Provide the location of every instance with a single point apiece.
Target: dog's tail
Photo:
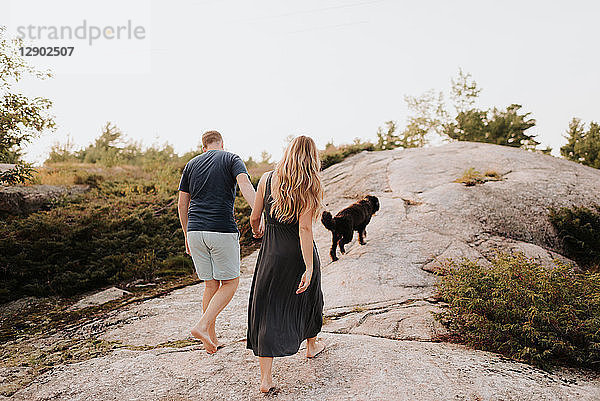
(327, 221)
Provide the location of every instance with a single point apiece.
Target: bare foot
(316, 349)
(203, 336)
(216, 342)
(266, 386)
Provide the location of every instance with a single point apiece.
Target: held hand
(261, 229)
(305, 281)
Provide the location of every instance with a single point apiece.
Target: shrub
(335, 154)
(125, 228)
(582, 146)
(501, 127)
(579, 231)
(96, 240)
(93, 180)
(19, 174)
(524, 310)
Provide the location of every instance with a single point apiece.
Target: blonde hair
(300, 187)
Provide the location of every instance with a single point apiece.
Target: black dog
(353, 218)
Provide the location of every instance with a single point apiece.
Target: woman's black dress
(278, 318)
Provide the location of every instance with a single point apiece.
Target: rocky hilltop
(382, 341)
(21, 199)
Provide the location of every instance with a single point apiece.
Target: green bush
(524, 310)
(125, 228)
(335, 154)
(93, 180)
(579, 230)
(582, 146)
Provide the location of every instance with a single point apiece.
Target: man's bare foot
(203, 336)
(266, 386)
(315, 349)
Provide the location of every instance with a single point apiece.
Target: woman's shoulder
(266, 175)
(263, 179)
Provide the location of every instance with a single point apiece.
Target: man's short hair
(211, 137)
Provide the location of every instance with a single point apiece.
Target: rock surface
(99, 298)
(21, 199)
(379, 298)
(5, 167)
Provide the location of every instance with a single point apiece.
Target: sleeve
(184, 184)
(238, 167)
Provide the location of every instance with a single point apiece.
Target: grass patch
(472, 177)
(492, 175)
(524, 310)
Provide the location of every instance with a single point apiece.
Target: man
(206, 196)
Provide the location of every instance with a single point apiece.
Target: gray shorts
(216, 256)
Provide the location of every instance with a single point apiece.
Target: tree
(428, 113)
(501, 127)
(250, 162)
(105, 149)
(265, 157)
(21, 118)
(464, 91)
(582, 146)
(62, 152)
(430, 119)
(386, 138)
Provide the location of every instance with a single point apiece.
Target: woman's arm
(257, 209)
(306, 245)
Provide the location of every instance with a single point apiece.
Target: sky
(331, 69)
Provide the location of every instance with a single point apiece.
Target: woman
(286, 302)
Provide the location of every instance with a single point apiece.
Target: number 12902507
(46, 51)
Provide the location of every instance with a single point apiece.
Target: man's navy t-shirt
(210, 179)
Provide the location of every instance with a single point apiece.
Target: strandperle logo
(89, 33)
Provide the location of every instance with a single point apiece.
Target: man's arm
(246, 187)
(251, 197)
(183, 205)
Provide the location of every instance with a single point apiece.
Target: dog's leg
(334, 243)
(361, 238)
(361, 234)
(344, 241)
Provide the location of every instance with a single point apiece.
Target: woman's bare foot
(314, 348)
(266, 385)
(202, 335)
(215, 340)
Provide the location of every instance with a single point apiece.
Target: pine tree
(582, 146)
